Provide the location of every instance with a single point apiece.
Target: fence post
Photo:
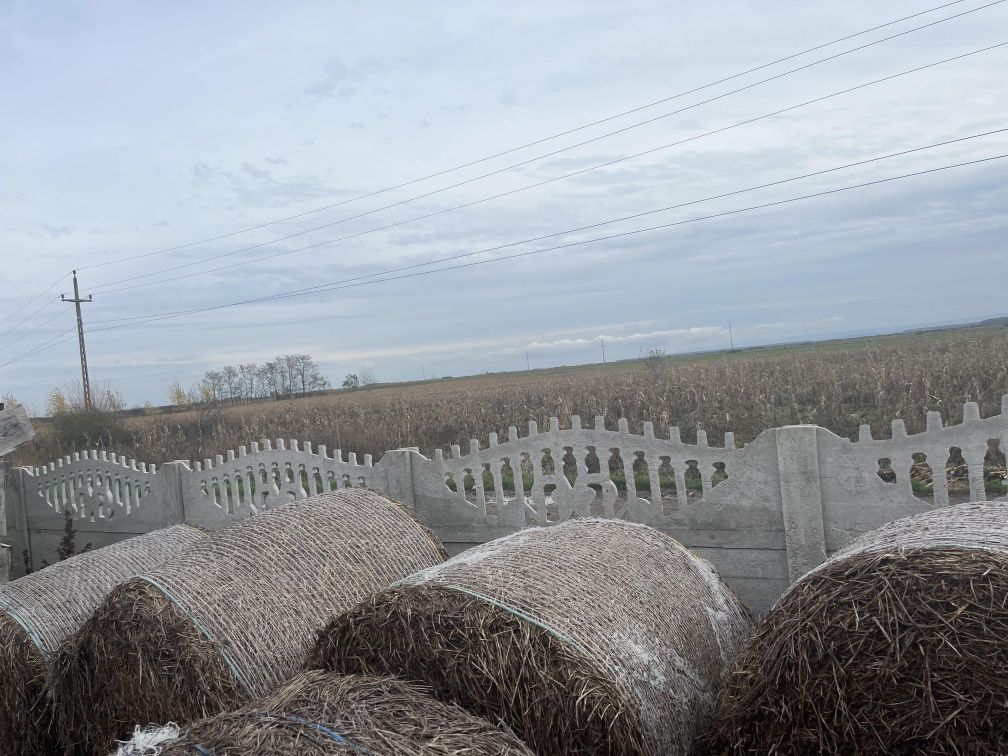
(5, 547)
(169, 475)
(398, 467)
(801, 497)
(16, 491)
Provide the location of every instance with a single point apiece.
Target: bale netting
(592, 636)
(897, 644)
(233, 616)
(39, 610)
(322, 713)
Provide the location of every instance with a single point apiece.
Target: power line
(338, 285)
(45, 345)
(38, 296)
(541, 183)
(333, 286)
(622, 218)
(44, 323)
(570, 131)
(28, 317)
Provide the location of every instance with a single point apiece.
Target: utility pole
(528, 363)
(603, 352)
(80, 338)
(731, 337)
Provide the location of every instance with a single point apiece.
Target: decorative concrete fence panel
(215, 492)
(763, 514)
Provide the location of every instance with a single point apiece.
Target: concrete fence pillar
(801, 497)
(5, 547)
(16, 486)
(397, 472)
(169, 482)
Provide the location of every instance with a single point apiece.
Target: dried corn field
(837, 386)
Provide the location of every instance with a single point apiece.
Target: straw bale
(592, 636)
(39, 610)
(322, 713)
(232, 617)
(897, 644)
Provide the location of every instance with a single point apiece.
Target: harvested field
(897, 644)
(540, 630)
(38, 611)
(321, 713)
(838, 385)
(232, 617)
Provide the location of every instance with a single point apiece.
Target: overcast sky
(128, 128)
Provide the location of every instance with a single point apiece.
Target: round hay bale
(896, 644)
(232, 617)
(322, 713)
(38, 611)
(592, 636)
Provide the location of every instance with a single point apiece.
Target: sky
(128, 129)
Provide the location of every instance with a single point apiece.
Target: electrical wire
(538, 184)
(623, 218)
(570, 147)
(339, 285)
(38, 296)
(25, 335)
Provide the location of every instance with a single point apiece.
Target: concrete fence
(763, 514)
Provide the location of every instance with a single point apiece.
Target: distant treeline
(285, 376)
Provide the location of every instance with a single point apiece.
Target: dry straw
(897, 644)
(323, 714)
(232, 617)
(593, 636)
(39, 610)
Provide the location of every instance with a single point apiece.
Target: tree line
(283, 377)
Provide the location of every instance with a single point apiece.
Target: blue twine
(332, 734)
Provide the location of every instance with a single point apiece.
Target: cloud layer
(129, 129)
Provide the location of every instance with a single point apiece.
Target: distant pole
(603, 352)
(731, 337)
(528, 363)
(80, 338)
(423, 372)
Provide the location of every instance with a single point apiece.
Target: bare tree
(232, 382)
(367, 377)
(212, 386)
(270, 378)
(249, 375)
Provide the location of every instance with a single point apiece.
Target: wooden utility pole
(603, 352)
(80, 338)
(731, 337)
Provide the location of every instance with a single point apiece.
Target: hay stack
(232, 617)
(39, 610)
(323, 714)
(593, 636)
(897, 644)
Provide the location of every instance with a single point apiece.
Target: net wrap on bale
(39, 610)
(896, 644)
(589, 636)
(325, 714)
(233, 616)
